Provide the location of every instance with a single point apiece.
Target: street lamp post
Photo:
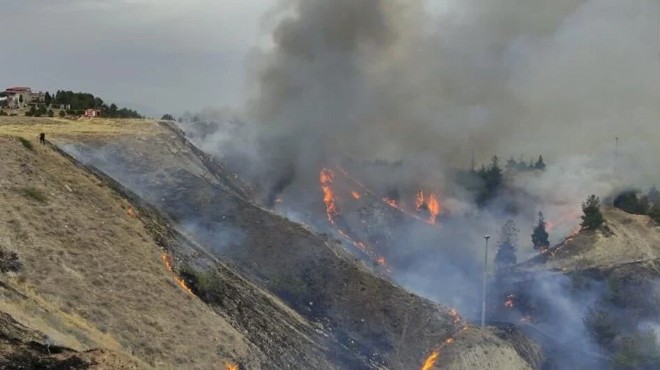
(483, 288)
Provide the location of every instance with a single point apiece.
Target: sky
(157, 56)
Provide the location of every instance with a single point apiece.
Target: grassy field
(91, 276)
(30, 127)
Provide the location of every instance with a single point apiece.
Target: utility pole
(616, 160)
(483, 288)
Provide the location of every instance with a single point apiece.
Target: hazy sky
(154, 55)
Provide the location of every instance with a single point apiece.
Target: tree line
(76, 103)
(592, 219)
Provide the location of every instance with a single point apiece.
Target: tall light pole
(616, 160)
(483, 288)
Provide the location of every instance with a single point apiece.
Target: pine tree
(506, 249)
(654, 195)
(592, 217)
(48, 99)
(540, 165)
(540, 235)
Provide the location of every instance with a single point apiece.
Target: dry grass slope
(91, 275)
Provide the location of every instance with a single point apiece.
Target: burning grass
(167, 260)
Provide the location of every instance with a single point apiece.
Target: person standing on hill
(42, 138)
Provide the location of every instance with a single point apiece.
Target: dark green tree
(491, 177)
(540, 235)
(20, 98)
(62, 113)
(511, 164)
(592, 217)
(629, 201)
(654, 195)
(167, 117)
(539, 165)
(654, 212)
(48, 99)
(507, 245)
(51, 113)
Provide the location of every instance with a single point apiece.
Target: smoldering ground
(433, 83)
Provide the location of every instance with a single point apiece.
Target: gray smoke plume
(389, 79)
(429, 84)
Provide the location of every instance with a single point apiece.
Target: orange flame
(391, 202)
(381, 261)
(231, 366)
(167, 260)
(432, 205)
(327, 177)
(434, 208)
(356, 195)
(431, 360)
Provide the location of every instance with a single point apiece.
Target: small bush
(34, 193)
(62, 113)
(601, 326)
(3, 113)
(638, 351)
(26, 143)
(51, 113)
(9, 261)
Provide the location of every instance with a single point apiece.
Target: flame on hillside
(430, 204)
(231, 366)
(327, 177)
(167, 260)
(431, 360)
(391, 202)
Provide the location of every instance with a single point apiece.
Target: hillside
(91, 274)
(590, 300)
(273, 294)
(625, 240)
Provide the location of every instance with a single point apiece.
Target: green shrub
(601, 326)
(629, 202)
(35, 194)
(638, 351)
(26, 143)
